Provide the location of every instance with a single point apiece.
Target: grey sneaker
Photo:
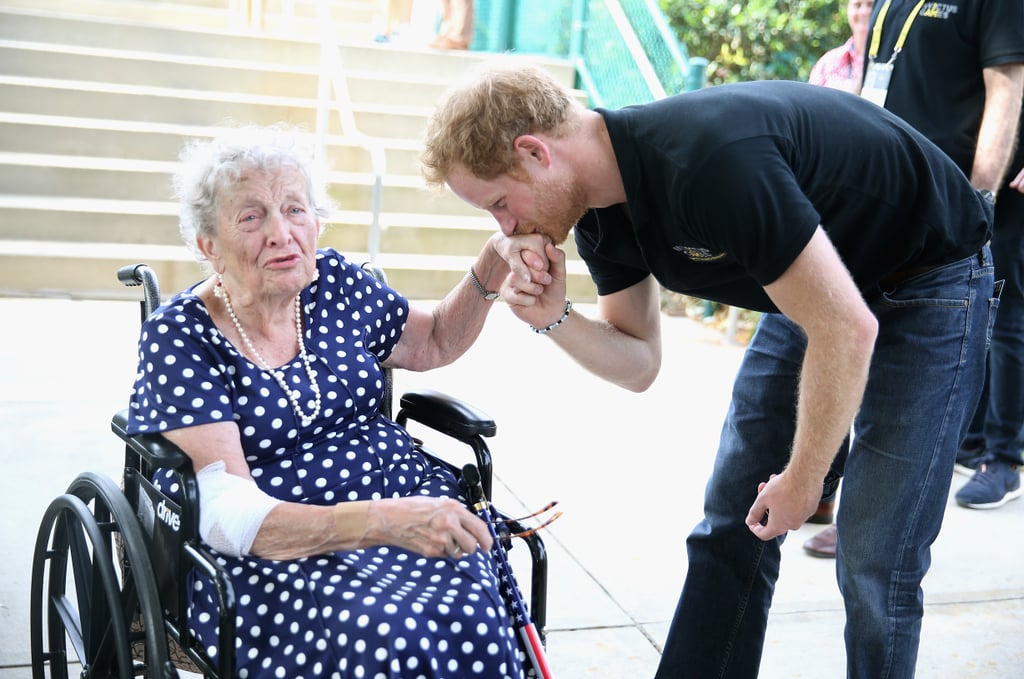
(995, 483)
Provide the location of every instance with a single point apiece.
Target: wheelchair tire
(92, 603)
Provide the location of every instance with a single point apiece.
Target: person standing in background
(991, 453)
(955, 71)
(842, 67)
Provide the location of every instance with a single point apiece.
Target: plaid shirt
(840, 68)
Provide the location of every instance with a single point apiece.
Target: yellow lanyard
(876, 34)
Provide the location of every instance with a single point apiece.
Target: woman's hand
(431, 526)
(535, 286)
(527, 259)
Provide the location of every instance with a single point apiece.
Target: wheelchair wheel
(84, 597)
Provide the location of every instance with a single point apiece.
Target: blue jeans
(999, 420)
(928, 362)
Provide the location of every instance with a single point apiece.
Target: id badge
(876, 82)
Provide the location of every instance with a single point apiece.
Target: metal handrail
(332, 75)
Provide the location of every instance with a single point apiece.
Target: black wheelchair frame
(109, 562)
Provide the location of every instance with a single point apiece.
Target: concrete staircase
(98, 96)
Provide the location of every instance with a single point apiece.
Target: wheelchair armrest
(154, 448)
(446, 414)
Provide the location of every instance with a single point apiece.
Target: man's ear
(532, 148)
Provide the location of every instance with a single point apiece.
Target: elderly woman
(348, 550)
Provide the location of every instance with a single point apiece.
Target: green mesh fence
(585, 32)
(661, 46)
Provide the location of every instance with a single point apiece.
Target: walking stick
(521, 619)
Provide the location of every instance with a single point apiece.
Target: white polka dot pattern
(381, 612)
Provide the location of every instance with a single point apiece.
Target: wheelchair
(108, 594)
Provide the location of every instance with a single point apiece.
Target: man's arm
(817, 293)
(622, 345)
(997, 134)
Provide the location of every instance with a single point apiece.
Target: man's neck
(596, 164)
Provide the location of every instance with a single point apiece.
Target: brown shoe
(823, 544)
(824, 514)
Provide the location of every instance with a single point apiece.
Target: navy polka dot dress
(376, 612)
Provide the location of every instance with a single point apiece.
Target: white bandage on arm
(231, 509)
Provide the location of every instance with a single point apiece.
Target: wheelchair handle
(134, 275)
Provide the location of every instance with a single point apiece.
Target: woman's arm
(430, 526)
(233, 504)
(621, 345)
(436, 337)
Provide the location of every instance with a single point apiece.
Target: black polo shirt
(726, 185)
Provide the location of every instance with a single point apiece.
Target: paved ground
(628, 471)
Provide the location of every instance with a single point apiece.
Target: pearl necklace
(221, 293)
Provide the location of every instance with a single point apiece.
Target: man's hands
(783, 503)
(535, 285)
(435, 527)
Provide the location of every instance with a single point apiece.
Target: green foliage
(758, 39)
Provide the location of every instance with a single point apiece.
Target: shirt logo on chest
(938, 10)
(698, 254)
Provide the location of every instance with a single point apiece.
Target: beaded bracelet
(541, 331)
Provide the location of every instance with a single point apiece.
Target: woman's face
(267, 231)
(858, 13)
